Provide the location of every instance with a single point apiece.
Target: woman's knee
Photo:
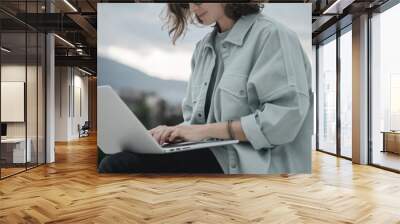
(123, 162)
(106, 165)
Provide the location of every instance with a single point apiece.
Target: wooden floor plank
(71, 191)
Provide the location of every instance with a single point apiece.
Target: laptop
(120, 130)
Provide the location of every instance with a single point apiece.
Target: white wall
(14, 73)
(17, 73)
(80, 83)
(68, 81)
(61, 103)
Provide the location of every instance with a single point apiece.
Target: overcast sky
(132, 34)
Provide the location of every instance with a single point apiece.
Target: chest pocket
(234, 85)
(233, 96)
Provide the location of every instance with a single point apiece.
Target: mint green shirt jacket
(266, 84)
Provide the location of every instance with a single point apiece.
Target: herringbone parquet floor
(71, 191)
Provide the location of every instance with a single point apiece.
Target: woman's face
(207, 13)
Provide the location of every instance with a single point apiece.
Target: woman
(250, 81)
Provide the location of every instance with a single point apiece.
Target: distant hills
(120, 76)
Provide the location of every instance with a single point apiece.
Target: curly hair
(178, 15)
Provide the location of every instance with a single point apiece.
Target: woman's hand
(165, 133)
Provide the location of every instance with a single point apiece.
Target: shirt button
(199, 115)
(194, 102)
(241, 92)
(205, 83)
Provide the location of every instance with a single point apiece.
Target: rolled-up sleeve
(280, 80)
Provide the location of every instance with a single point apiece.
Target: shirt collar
(238, 31)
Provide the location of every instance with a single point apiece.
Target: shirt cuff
(253, 133)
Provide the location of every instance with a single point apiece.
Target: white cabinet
(18, 144)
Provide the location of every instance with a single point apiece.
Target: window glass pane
(327, 97)
(22, 87)
(14, 153)
(314, 87)
(346, 94)
(385, 86)
(31, 97)
(41, 98)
